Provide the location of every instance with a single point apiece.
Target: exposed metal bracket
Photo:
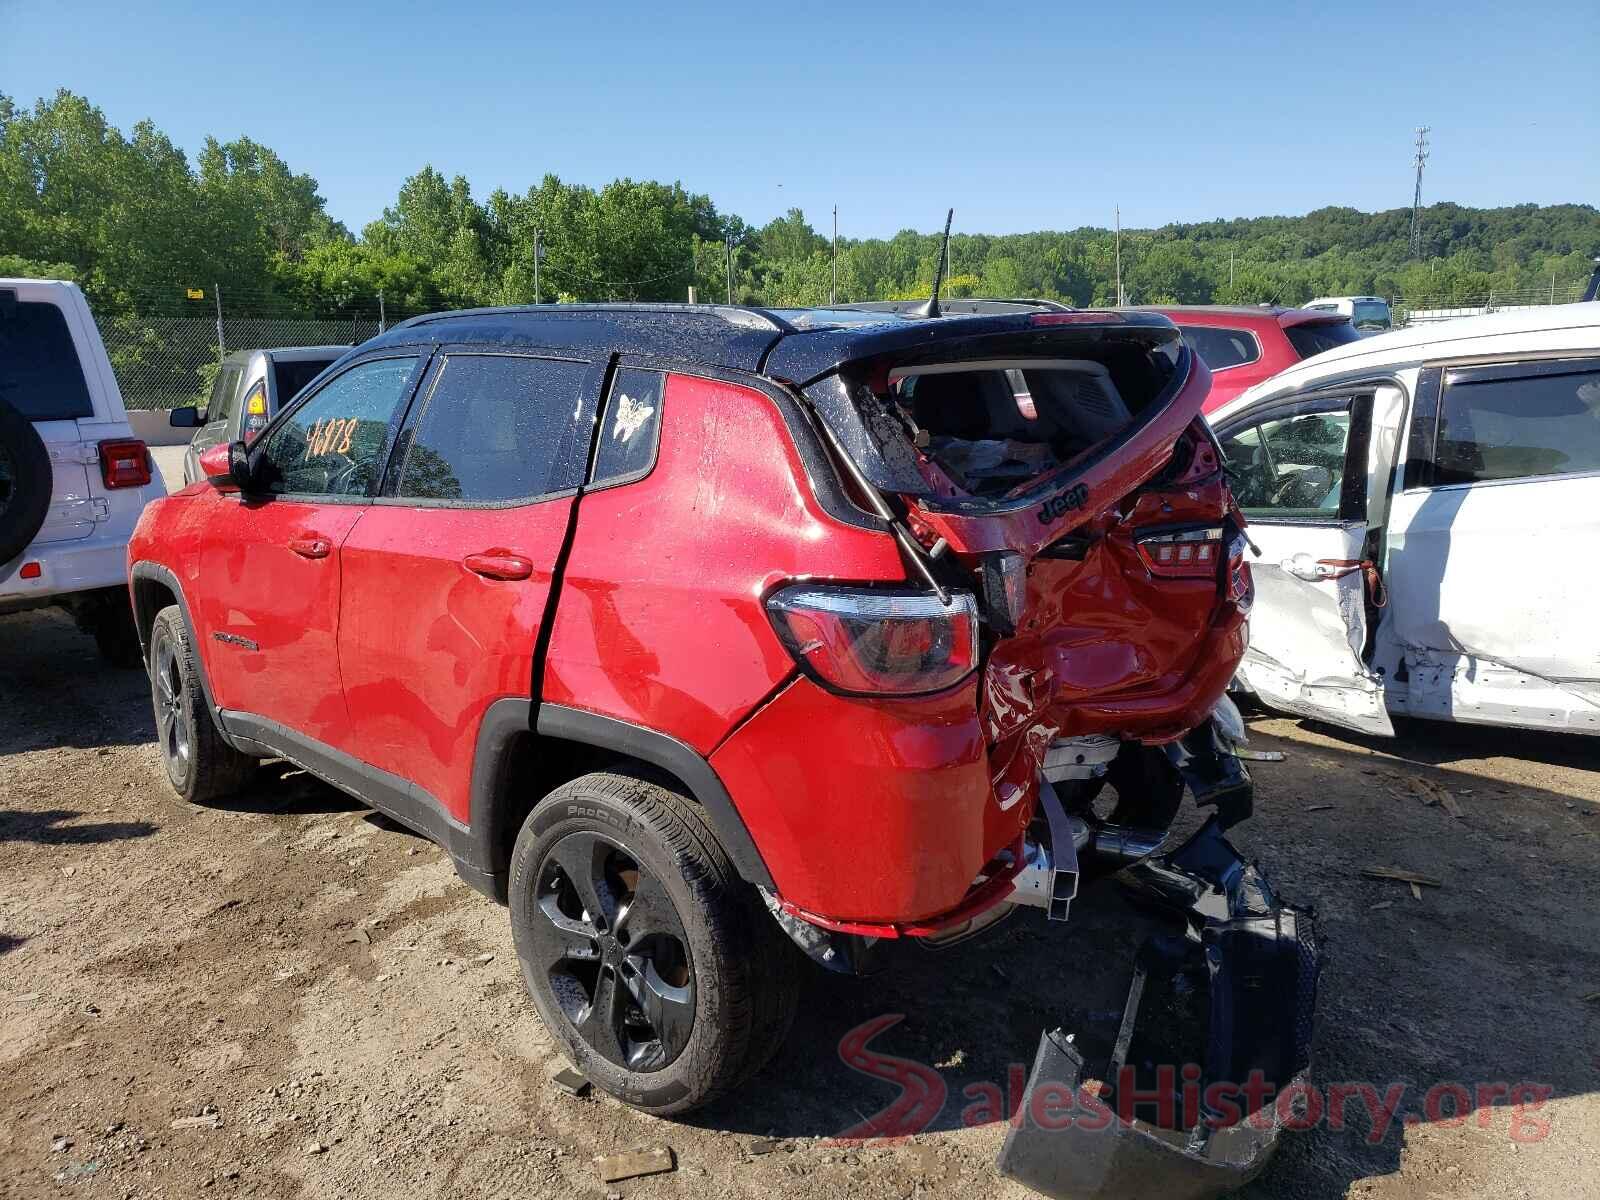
(1049, 879)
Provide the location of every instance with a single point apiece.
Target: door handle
(311, 547)
(498, 564)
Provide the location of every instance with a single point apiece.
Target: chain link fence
(165, 360)
(1446, 306)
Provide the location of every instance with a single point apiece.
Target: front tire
(649, 960)
(200, 766)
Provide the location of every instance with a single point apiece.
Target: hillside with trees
(137, 222)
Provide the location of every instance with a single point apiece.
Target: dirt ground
(320, 1006)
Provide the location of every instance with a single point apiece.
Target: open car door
(1300, 472)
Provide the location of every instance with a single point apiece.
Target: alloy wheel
(170, 726)
(615, 952)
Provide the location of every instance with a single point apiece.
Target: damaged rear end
(1054, 466)
(1051, 472)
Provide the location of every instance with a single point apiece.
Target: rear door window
(40, 375)
(1517, 422)
(289, 377)
(1319, 336)
(1220, 348)
(496, 429)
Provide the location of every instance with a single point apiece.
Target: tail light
(865, 641)
(1183, 553)
(255, 415)
(124, 463)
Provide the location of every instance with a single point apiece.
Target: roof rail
(741, 315)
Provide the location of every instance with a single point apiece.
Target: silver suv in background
(250, 387)
(73, 478)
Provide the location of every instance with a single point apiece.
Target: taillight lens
(124, 463)
(866, 641)
(1183, 553)
(255, 416)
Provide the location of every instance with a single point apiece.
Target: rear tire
(653, 965)
(200, 765)
(115, 633)
(26, 482)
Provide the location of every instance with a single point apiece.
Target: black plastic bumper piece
(1214, 774)
(1248, 965)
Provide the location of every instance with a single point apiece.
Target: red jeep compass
(1244, 345)
(698, 633)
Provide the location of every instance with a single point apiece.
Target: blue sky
(1021, 116)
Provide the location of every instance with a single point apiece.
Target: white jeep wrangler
(73, 478)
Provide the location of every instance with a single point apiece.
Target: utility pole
(1119, 255)
(382, 323)
(222, 349)
(730, 270)
(833, 292)
(1420, 158)
(1230, 268)
(537, 255)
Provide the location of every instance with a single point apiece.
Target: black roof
(794, 344)
(723, 335)
(968, 306)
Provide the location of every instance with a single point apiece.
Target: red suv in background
(1244, 345)
(694, 632)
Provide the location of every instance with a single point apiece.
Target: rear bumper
(64, 567)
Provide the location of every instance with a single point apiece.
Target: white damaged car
(1426, 510)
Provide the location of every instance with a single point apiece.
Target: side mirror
(187, 417)
(216, 464)
(241, 466)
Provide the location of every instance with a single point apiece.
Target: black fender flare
(508, 719)
(143, 619)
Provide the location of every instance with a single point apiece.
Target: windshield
(1370, 312)
(39, 371)
(1316, 336)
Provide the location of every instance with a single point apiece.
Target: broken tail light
(124, 463)
(1183, 553)
(867, 641)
